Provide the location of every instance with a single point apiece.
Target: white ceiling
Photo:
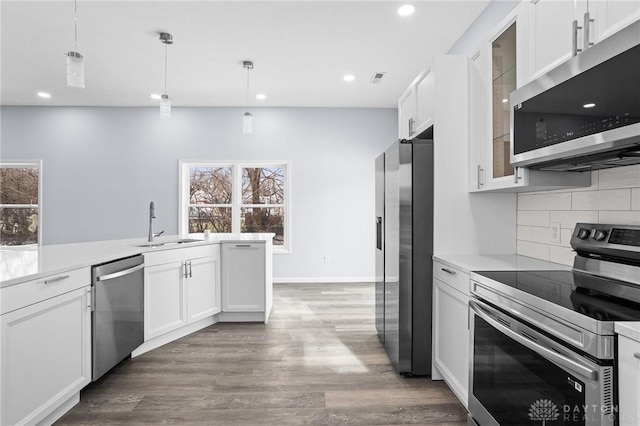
(301, 50)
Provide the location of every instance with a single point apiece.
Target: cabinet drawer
(451, 276)
(20, 295)
(161, 257)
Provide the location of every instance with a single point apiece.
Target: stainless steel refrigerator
(404, 247)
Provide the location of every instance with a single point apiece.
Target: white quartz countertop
(628, 329)
(505, 262)
(20, 264)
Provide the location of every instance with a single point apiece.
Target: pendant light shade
(75, 70)
(247, 123)
(165, 107)
(165, 99)
(75, 60)
(247, 118)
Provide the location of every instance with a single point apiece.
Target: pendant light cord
(165, 68)
(248, 70)
(75, 23)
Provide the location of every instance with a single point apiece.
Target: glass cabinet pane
(503, 83)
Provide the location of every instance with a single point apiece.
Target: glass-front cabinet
(493, 76)
(496, 69)
(503, 82)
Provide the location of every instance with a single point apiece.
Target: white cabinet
(182, 286)
(45, 357)
(629, 381)
(552, 34)
(203, 287)
(415, 106)
(164, 298)
(451, 328)
(496, 70)
(407, 112)
(610, 16)
(245, 271)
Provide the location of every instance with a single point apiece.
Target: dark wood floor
(318, 361)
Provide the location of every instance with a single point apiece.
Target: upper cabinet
(496, 70)
(503, 82)
(558, 29)
(415, 107)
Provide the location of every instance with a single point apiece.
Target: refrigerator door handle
(379, 233)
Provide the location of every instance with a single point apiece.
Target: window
(20, 195)
(236, 197)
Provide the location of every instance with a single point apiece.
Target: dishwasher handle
(120, 273)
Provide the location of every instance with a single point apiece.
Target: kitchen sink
(169, 243)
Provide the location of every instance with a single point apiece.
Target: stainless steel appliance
(543, 342)
(117, 316)
(584, 114)
(404, 247)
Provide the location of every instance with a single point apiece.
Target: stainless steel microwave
(584, 114)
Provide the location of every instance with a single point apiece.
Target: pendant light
(165, 99)
(247, 118)
(75, 60)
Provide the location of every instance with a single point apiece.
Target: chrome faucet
(152, 215)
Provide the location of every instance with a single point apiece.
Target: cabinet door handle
(480, 170)
(449, 271)
(185, 272)
(587, 23)
(56, 279)
(190, 270)
(574, 39)
(636, 355)
(515, 175)
(411, 122)
(90, 301)
(243, 245)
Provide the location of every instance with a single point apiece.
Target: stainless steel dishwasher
(117, 316)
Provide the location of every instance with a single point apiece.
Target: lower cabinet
(45, 359)
(629, 381)
(451, 328)
(244, 271)
(182, 286)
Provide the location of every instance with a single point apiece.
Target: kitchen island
(46, 301)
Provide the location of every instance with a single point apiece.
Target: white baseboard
(303, 280)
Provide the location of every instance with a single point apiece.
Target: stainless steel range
(543, 342)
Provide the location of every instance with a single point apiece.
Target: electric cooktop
(580, 292)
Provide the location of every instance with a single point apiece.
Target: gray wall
(102, 166)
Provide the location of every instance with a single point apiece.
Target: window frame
(37, 164)
(236, 199)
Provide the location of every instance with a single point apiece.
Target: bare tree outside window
(19, 204)
(210, 199)
(263, 201)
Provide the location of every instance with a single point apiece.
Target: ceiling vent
(377, 77)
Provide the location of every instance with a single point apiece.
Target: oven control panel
(597, 237)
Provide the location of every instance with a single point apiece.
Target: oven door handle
(562, 360)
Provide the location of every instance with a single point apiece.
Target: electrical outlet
(555, 232)
(327, 259)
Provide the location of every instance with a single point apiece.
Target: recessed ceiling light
(406, 10)
(504, 101)
(155, 96)
(261, 96)
(348, 77)
(44, 95)
(591, 105)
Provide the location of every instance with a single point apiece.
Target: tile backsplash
(613, 197)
